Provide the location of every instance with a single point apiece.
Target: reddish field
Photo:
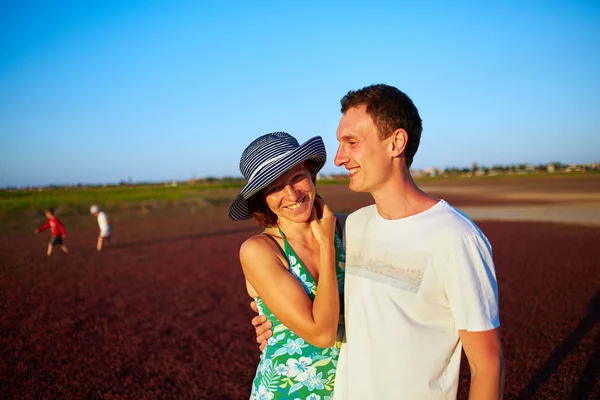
(164, 313)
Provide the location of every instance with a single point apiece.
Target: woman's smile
(297, 206)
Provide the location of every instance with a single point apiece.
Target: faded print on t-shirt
(399, 266)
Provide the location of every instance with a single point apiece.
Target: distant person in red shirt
(57, 231)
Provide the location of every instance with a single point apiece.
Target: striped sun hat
(266, 159)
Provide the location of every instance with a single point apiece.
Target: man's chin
(355, 187)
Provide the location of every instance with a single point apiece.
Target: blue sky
(100, 91)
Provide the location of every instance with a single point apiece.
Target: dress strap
(286, 244)
(276, 244)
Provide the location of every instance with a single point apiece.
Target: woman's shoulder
(254, 243)
(260, 245)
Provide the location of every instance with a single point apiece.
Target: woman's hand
(323, 229)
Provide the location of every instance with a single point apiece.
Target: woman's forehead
(290, 172)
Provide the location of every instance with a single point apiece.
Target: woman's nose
(291, 192)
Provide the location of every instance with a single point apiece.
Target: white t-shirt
(103, 224)
(411, 284)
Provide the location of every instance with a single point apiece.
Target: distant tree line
(231, 181)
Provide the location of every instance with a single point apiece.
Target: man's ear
(399, 138)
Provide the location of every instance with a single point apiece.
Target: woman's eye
(298, 178)
(273, 189)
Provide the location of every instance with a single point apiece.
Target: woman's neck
(295, 231)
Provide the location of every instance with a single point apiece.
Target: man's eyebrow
(346, 137)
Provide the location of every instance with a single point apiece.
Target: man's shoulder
(454, 222)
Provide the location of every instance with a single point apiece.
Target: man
(420, 279)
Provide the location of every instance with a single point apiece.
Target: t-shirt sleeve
(44, 227)
(102, 221)
(469, 279)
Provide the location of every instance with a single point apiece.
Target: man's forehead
(355, 122)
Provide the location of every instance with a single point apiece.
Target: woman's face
(292, 195)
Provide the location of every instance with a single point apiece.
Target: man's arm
(471, 287)
(486, 362)
(262, 326)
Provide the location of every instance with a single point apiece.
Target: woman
(294, 269)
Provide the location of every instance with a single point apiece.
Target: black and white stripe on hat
(266, 159)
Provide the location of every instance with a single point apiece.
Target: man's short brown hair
(390, 109)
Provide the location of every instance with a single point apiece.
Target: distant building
(417, 173)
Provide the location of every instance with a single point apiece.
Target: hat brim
(313, 150)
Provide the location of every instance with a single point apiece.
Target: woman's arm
(314, 321)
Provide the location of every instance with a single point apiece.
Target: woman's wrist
(327, 255)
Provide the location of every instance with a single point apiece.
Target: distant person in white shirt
(103, 224)
(420, 281)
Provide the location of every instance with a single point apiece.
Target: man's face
(361, 151)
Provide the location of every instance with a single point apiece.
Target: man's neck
(400, 197)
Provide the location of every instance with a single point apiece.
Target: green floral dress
(289, 367)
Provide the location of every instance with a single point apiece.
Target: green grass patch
(80, 199)
(77, 201)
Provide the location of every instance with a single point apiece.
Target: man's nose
(340, 157)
